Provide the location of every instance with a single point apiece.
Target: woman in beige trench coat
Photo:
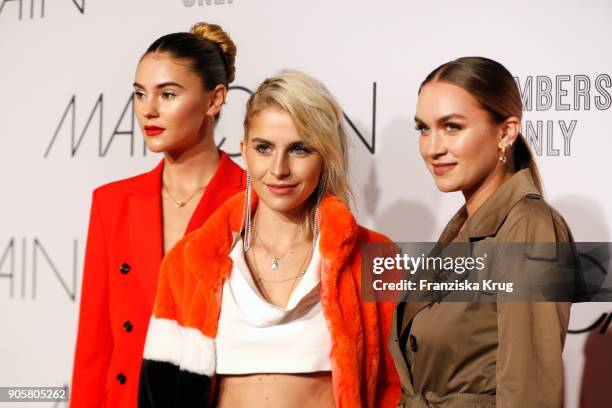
(482, 354)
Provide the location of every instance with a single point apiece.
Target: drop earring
(502, 154)
(247, 213)
(315, 221)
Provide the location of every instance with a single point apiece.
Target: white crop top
(254, 336)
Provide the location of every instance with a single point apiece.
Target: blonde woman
(261, 306)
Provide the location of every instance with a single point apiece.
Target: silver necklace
(294, 277)
(275, 264)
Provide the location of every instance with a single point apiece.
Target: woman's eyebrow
(442, 119)
(161, 85)
(450, 116)
(169, 83)
(261, 140)
(297, 142)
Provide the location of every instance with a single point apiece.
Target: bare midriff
(310, 390)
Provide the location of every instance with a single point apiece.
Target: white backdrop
(75, 59)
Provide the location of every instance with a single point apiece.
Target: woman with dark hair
(180, 86)
(482, 354)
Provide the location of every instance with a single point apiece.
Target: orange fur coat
(179, 358)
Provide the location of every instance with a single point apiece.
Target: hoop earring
(247, 213)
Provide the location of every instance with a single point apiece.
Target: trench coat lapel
(485, 222)
(406, 311)
(395, 347)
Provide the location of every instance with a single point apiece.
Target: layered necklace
(301, 269)
(276, 259)
(275, 264)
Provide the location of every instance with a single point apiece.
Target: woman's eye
(262, 148)
(452, 127)
(300, 149)
(422, 129)
(167, 95)
(138, 94)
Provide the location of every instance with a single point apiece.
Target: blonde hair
(318, 118)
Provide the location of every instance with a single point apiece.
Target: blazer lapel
(145, 231)
(227, 179)
(146, 217)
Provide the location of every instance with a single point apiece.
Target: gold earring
(502, 154)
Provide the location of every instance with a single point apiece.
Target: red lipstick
(153, 130)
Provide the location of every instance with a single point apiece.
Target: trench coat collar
(487, 220)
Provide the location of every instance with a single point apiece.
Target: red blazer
(122, 260)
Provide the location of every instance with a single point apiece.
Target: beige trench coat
(487, 354)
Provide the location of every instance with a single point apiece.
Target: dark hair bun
(215, 34)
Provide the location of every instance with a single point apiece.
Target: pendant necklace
(275, 259)
(301, 269)
(181, 203)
